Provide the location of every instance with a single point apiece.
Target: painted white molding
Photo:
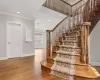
(15, 15)
(95, 63)
(30, 54)
(3, 58)
(24, 55)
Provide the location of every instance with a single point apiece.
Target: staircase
(67, 44)
(68, 61)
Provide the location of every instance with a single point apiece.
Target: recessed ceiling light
(18, 12)
(49, 20)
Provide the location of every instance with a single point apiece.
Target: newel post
(48, 47)
(84, 42)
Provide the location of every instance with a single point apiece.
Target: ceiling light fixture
(18, 12)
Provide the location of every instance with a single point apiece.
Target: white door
(14, 40)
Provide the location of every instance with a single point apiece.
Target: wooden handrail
(59, 23)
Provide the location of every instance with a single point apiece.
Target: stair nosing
(67, 54)
(70, 47)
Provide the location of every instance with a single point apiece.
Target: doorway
(14, 41)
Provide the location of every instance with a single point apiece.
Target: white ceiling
(46, 14)
(27, 8)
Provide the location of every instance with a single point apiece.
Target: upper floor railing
(58, 6)
(63, 6)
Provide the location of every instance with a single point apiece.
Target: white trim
(30, 54)
(95, 63)
(15, 15)
(7, 37)
(3, 58)
(24, 55)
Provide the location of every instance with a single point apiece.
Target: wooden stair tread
(71, 41)
(61, 69)
(91, 73)
(72, 36)
(75, 28)
(64, 52)
(74, 41)
(77, 62)
(73, 47)
(73, 31)
(68, 41)
(45, 63)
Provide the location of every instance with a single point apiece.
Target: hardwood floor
(27, 68)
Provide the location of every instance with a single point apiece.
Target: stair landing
(84, 74)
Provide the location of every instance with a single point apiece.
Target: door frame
(7, 53)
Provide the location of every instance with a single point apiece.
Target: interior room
(49, 39)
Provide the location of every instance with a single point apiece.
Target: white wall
(95, 45)
(43, 32)
(28, 47)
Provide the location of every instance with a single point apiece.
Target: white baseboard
(3, 58)
(30, 54)
(24, 55)
(95, 63)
